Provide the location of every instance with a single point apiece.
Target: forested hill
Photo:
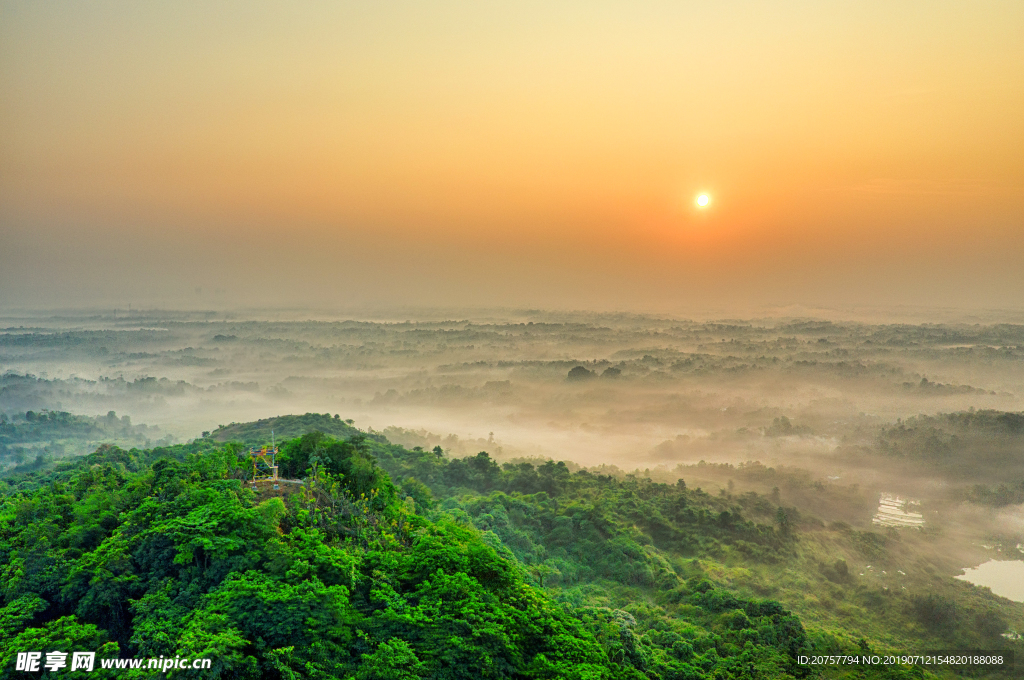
(34, 440)
(391, 563)
(168, 552)
(286, 427)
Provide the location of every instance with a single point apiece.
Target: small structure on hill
(264, 465)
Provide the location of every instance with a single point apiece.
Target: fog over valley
(631, 391)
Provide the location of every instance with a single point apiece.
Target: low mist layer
(619, 389)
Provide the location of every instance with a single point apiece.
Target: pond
(1004, 577)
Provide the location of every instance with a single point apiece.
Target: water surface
(1004, 577)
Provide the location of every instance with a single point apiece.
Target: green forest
(33, 440)
(392, 563)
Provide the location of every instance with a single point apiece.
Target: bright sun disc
(703, 200)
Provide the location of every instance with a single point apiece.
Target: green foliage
(967, 445)
(392, 660)
(64, 634)
(284, 428)
(456, 569)
(179, 557)
(33, 441)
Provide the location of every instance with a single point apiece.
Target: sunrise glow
(459, 145)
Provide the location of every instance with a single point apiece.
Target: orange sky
(542, 153)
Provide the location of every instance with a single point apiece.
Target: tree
(578, 373)
(783, 521)
(392, 660)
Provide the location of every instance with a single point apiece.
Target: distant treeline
(968, 446)
(31, 440)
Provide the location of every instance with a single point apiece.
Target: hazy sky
(524, 153)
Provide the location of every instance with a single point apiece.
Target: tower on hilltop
(264, 464)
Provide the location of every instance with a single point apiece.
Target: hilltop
(284, 427)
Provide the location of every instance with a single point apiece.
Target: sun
(703, 200)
